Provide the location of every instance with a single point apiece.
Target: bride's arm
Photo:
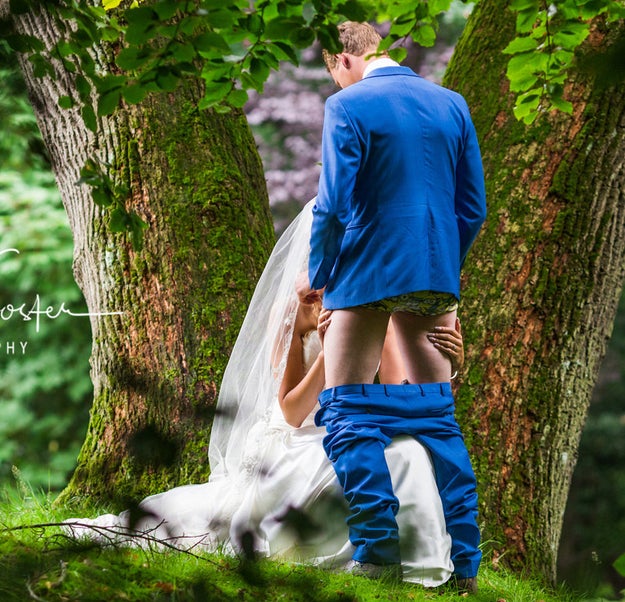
(299, 389)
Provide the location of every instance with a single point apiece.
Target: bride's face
(312, 312)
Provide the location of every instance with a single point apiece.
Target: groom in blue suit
(401, 199)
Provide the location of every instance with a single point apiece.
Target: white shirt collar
(377, 63)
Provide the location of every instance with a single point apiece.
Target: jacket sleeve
(470, 200)
(340, 161)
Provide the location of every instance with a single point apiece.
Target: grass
(40, 563)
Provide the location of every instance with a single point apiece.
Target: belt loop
(443, 392)
(422, 391)
(333, 393)
(386, 391)
(364, 390)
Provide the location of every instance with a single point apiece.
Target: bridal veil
(252, 377)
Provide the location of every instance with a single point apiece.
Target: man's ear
(345, 60)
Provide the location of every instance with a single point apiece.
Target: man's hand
(307, 296)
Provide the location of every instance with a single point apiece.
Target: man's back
(395, 147)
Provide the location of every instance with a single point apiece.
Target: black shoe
(389, 572)
(461, 585)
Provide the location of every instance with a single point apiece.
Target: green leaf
(110, 34)
(134, 94)
(108, 102)
(110, 4)
(237, 98)
(619, 565)
(284, 52)
(518, 45)
(425, 35)
(88, 116)
(190, 24)
(69, 66)
(207, 103)
(83, 87)
(399, 30)
(65, 48)
(259, 69)
(139, 34)
(143, 15)
(328, 37)
(131, 58)
(302, 37)
(221, 19)
(183, 53)
(521, 73)
(87, 65)
(101, 196)
(266, 55)
(119, 220)
(250, 83)
(254, 23)
(166, 79)
(41, 67)
(24, 43)
(526, 106)
(216, 71)
(19, 7)
(280, 28)
(109, 82)
(87, 30)
(436, 7)
(166, 9)
(89, 174)
(352, 10)
(210, 41)
(520, 5)
(563, 105)
(217, 91)
(526, 19)
(398, 54)
(571, 36)
(66, 102)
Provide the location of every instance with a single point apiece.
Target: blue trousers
(361, 420)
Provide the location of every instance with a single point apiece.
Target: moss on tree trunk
(540, 287)
(196, 179)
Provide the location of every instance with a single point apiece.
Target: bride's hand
(323, 321)
(449, 341)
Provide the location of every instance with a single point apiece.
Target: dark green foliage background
(45, 393)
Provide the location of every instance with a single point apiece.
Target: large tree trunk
(196, 179)
(540, 288)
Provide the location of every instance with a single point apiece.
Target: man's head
(360, 41)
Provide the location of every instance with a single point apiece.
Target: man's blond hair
(357, 39)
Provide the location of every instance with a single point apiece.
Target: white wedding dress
(295, 510)
(270, 480)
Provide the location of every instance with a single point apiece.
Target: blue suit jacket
(401, 194)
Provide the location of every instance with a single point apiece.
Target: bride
(271, 488)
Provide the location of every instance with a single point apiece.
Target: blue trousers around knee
(361, 420)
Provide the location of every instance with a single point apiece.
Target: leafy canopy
(543, 51)
(232, 45)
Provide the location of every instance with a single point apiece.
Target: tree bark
(540, 287)
(196, 179)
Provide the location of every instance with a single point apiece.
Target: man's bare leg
(353, 346)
